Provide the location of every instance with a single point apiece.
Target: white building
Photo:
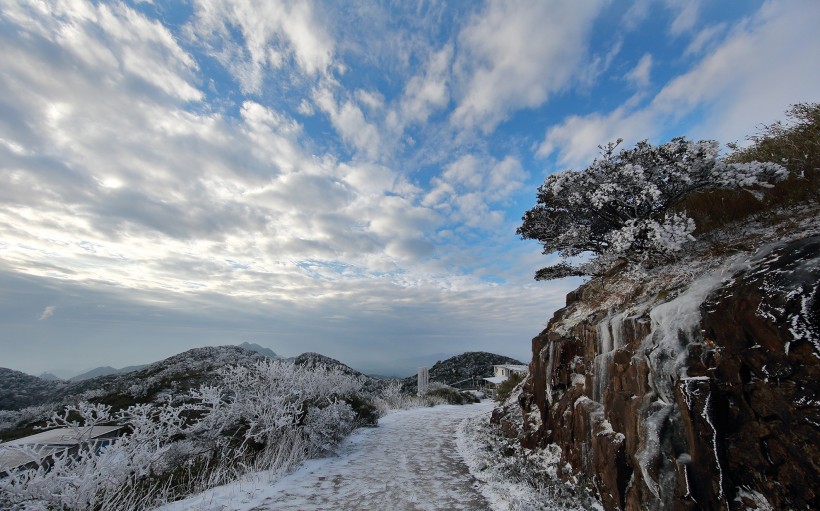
(508, 370)
(502, 372)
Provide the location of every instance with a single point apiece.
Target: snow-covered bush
(12, 419)
(516, 478)
(268, 416)
(325, 427)
(622, 206)
(392, 397)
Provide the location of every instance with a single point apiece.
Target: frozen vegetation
(199, 420)
(409, 462)
(516, 479)
(266, 416)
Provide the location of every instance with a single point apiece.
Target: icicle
(604, 336)
(705, 415)
(610, 335)
(617, 326)
(549, 373)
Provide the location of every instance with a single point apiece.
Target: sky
(338, 177)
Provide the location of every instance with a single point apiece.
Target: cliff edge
(696, 387)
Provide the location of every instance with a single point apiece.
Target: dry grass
(794, 144)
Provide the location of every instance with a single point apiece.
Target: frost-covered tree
(622, 206)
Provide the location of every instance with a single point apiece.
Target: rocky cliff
(694, 388)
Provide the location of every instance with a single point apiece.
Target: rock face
(703, 397)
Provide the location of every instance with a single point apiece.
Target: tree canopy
(622, 206)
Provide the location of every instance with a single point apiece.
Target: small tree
(621, 206)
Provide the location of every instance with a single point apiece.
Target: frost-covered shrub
(267, 416)
(518, 478)
(392, 397)
(622, 206)
(506, 388)
(84, 477)
(452, 396)
(12, 419)
(270, 397)
(325, 427)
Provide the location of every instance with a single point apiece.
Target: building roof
(520, 368)
(496, 379)
(35, 448)
(63, 436)
(15, 456)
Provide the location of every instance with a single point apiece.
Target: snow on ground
(409, 462)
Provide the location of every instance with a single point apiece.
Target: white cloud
(110, 178)
(270, 31)
(514, 55)
(754, 74)
(47, 312)
(640, 75)
(686, 15)
(350, 122)
(472, 186)
(750, 77)
(636, 14)
(576, 139)
(430, 91)
(705, 39)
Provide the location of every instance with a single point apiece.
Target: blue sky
(340, 177)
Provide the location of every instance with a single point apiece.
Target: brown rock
(739, 421)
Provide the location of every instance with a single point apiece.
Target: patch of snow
(675, 324)
(409, 461)
(580, 400)
(527, 480)
(651, 444)
(549, 373)
(744, 493)
(578, 379)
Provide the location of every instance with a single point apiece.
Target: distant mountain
(49, 377)
(60, 374)
(469, 366)
(136, 384)
(105, 371)
(140, 384)
(93, 373)
(259, 349)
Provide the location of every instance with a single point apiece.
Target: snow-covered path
(409, 462)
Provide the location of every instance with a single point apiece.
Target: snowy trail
(409, 462)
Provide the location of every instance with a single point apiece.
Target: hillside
(173, 376)
(19, 390)
(470, 366)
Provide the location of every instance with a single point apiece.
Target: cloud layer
(344, 179)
